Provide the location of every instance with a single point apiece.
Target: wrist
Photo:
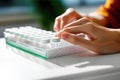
(117, 34)
(98, 18)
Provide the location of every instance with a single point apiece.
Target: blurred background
(39, 13)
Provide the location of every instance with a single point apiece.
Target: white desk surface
(82, 66)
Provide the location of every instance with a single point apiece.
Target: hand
(69, 16)
(102, 40)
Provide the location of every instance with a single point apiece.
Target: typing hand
(101, 39)
(69, 16)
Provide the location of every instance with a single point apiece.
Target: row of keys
(34, 34)
(35, 37)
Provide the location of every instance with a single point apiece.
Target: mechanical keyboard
(38, 42)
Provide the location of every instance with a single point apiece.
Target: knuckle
(57, 18)
(90, 23)
(85, 20)
(70, 10)
(90, 26)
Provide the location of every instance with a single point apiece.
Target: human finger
(78, 22)
(85, 28)
(74, 39)
(57, 24)
(69, 16)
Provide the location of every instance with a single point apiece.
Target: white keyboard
(38, 42)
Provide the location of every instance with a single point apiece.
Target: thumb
(74, 39)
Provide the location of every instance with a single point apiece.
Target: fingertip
(57, 34)
(56, 26)
(56, 29)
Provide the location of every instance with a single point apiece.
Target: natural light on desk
(19, 64)
(17, 67)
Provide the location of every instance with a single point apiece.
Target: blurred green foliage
(47, 11)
